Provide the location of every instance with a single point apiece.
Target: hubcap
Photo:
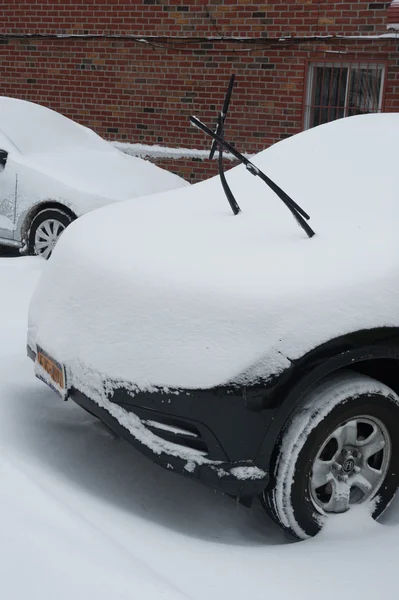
(351, 465)
(46, 236)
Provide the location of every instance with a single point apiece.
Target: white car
(243, 350)
(53, 170)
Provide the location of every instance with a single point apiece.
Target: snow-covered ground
(85, 516)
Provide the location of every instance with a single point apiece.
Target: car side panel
(36, 188)
(8, 179)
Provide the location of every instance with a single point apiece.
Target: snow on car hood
(74, 155)
(35, 128)
(176, 291)
(108, 174)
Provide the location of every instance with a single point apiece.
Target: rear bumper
(210, 435)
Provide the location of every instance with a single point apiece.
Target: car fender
(356, 350)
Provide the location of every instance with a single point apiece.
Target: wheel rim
(46, 236)
(351, 465)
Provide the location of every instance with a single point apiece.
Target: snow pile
(56, 147)
(178, 292)
(109, 173)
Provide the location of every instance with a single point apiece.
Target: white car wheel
(45, 231)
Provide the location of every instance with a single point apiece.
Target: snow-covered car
(236, 349)
(53, 170)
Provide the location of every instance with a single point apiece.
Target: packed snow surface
(58, 148)
(85, 516)
(176, 291)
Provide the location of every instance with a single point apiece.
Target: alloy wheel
(351, 465)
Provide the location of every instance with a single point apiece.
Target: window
(336, 90)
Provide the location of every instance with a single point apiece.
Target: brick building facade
(135, 70)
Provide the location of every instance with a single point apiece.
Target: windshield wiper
(220, 132)
(218, 141)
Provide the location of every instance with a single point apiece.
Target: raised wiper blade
(220, 132)
(226, 188)
(298, 213)
(222, 116)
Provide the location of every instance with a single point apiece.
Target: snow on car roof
(57, 147)
(35, 128)
(188, 295)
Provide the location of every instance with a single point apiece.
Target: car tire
(45, 231)
(340, 447)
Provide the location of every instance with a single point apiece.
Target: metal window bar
(336, 90)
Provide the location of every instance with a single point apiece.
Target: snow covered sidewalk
(85, 516)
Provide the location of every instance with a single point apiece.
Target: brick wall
(192, 17)
(143, 91)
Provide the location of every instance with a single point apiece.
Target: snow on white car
(243, 350)
(53, 170)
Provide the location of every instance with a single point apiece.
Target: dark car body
(237, 428)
